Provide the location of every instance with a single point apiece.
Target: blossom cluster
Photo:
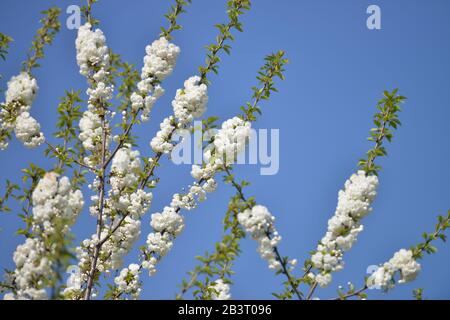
(14, 113)
(127, 281)
(55, 208)
(228, 142)
(159, 62)
(125, 196)
(166, 225)
(220, 290)
(354, 203)
(94, 61)
(402, 262)
(55, 204)
(189, 102)
(124, 206)
(259, 223)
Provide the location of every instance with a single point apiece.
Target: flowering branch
(403, 261)
(22, 89)
(355, 200)
(283, 261)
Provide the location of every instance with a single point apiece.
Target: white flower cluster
(111, 253)
(55, 204)
(166, 225)
(159, 63)
(231, 140)
(90, 131)
(32, 264)
(92, 52)
(94, 60)
(22, 89)
(189, 102)
(220, 290)
(402, 262)
(343, 228)
(14, 115)
(125, 197)
(259, 223)
(127, 281)
(161, 143)
(28, 130)
(55, 208)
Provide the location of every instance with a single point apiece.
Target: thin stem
(101, 176)
(353, 294)
(311, 290)
(56, 151)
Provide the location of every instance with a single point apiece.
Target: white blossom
(22, 88)
(159, 62)
(94, 60)
(14, 114)
(160, 59)
(229, 141)
(92, 51)
(27, 130)
(127, 281)
(258, 221)
(55, 203)
(55, 208)
(190, 102)
(343, 228)
(161, 143)
(403, 263)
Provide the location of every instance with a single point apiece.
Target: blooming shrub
(96, 150)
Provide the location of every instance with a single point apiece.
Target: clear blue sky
(338, 69)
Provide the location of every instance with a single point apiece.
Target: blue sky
(337, 72)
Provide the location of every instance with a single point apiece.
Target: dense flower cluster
(258, 222)
(231, 140)
(28, 130)
(343, 228)
(166, 225)
(111, 254)
(127, 281)
(189, 102)
(55, 204)
(125, 201)
(31, 263)
(159, 63)
(162, 141)
(402, 262)
(94, 61)
(220, 290)
(14, 113)
(23, 89)
(125, 197)
(55, 208)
